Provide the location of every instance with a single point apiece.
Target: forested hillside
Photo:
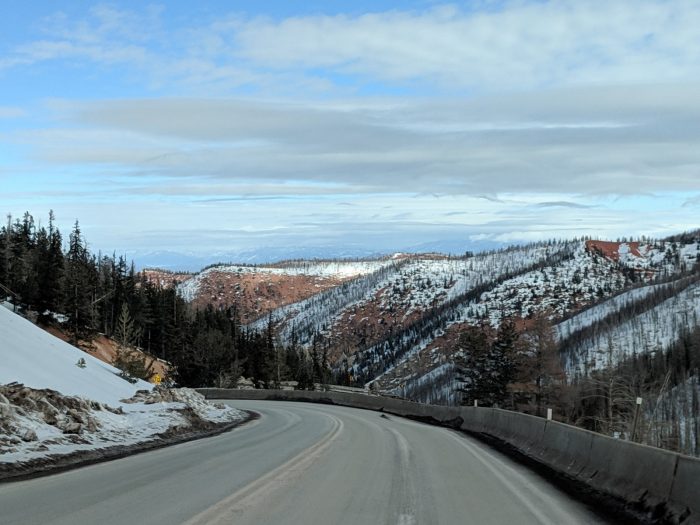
(62, 285)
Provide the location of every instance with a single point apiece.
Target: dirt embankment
(105, 349)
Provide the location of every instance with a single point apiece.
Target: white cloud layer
(520, 45)
(594, 141)
(513, 45)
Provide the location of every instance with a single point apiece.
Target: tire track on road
(233, 507)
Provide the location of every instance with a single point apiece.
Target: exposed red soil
(611, 250)
(257, 294)
(105, 349)
(442, 349)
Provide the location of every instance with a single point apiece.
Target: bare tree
(540, 363)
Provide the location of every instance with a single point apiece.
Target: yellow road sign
(156, 379)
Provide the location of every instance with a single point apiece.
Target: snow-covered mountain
(266, 255)
(192, 262)
(396, 319)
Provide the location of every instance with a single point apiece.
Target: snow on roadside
(49, 406)
(40, 423)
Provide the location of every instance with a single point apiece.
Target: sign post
(636, 418)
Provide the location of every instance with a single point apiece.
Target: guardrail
(654, 485)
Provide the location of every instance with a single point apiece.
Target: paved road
(301, 464)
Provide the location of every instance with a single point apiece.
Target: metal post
(636, 418)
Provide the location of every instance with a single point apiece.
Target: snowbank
(40, 424)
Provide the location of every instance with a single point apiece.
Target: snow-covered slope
(591, 281)
(41, 417)
(37, 359)
(339, 270)
(591, 315)
(651, 331)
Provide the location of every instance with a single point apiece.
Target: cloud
(362, 146)
(511, 46)
(693, 202)
(563, 204)
(11, 112)
(537, 43)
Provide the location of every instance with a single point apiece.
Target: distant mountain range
(192, 262)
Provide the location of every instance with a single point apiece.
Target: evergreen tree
(48, 268)
(133, 364)
(304, 376)
(126, 334)
(486, 367)
(6, 252)
(77, 284)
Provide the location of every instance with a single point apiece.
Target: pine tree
(77, 284)
(486, 367)
(48, 268)
(304, 375)
(133, 364)
(125, 333)
(5, 252)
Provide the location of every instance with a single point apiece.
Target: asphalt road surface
(301, 464)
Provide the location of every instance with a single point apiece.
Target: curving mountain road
(301, 464)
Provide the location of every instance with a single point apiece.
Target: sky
(222, 127)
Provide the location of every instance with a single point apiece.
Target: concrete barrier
(636, 473)
(654, 484)
(567, 447)
(520, 430)
(475, 420)
(685, 494)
